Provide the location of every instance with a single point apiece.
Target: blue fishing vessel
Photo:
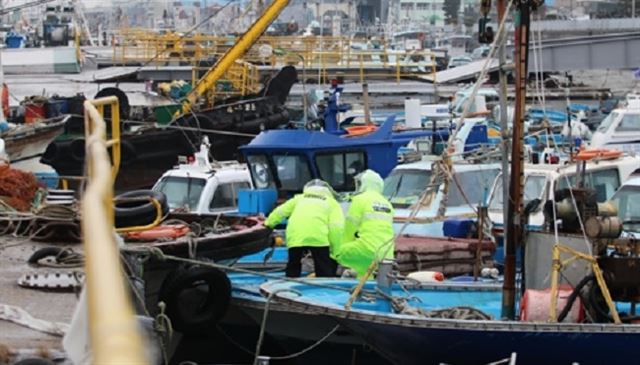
(464, 327)
(285, 159)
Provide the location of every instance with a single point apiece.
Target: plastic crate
(457, 228)
(256, 201)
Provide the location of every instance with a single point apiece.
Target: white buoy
(426, 276)
(412, 113)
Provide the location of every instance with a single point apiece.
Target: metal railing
(323, 55)
(241, 79)
(115, 337)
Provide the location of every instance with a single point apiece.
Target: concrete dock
(19, 341)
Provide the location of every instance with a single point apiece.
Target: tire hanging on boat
(138, 213)
(192, 308)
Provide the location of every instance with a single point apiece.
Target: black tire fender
(186, 316)
(46, 252)
(138, 213)
(123, 101)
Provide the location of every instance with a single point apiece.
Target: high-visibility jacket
(368, 232)
(315, 220)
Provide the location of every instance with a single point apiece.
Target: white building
(422, 11)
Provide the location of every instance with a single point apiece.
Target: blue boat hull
(414, 345)
(405, 338)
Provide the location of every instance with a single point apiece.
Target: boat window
(475, 185)
(629, 123)
(606, 123)
(226, 195)
(605, 182)
(626, 199)
(339, 169)
(534, 186)
(260, 172)
(403, 187)
(181, 192)
(293, 171)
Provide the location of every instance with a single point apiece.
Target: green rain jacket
(315, 219)
(368, 232)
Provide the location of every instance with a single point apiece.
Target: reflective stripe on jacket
(315, 220)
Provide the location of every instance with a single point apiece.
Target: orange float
(361, 130)
(5, 100)
(600, 154)
(168, 231)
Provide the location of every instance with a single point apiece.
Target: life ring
(5, 100)
(361, 130)
(184, 282)
(138, 213)
(601, 154)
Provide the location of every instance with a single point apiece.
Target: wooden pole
(514, 221)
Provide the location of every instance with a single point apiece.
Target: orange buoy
(601, 154)
(361, 130)
(5, 100)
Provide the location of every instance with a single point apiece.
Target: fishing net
(17, 188)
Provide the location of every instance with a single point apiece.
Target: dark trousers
(323, 264)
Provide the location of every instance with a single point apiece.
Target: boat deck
(53, 306)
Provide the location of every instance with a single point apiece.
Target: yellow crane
(234, 53)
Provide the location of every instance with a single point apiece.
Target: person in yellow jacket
(368, 231)
(315, 224)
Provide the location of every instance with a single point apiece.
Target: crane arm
(237, 51)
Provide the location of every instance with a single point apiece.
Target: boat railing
(113, 329)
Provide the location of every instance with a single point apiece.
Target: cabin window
(403, 187)
(181, 192)
(260, 172)
(629, 123)
(534, 186)
(606, 123)
(339, 169)
(476, 186)
(226, 195)
(626, 199)
(293, 171)
(605, 182)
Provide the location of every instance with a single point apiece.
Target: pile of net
(17, 188)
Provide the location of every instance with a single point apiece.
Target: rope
(156, 252)
(162, 325)
(264, 324)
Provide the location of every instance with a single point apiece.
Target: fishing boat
(621, 128)
(450, 332)
(195, 297)
(24, 144)
(285, 159)
(149, 149)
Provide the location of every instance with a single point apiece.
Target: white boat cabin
(621, 128)
(541, 180)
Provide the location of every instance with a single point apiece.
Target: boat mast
(514, 220)
(504, 113)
